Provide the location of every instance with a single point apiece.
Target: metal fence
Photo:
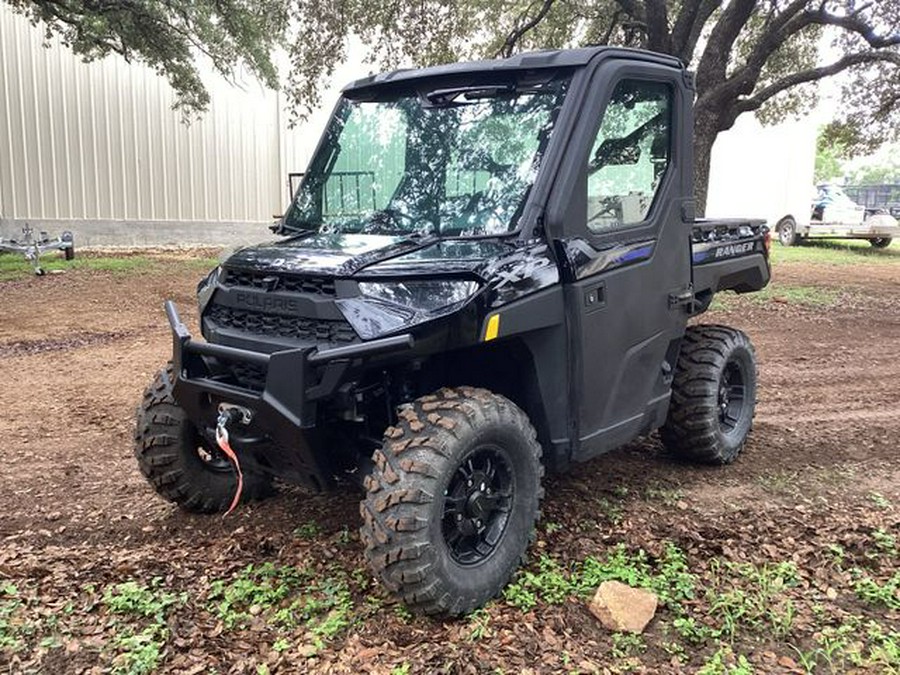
(885, 196)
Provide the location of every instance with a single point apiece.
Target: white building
(97, 148)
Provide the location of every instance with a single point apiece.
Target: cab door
(626, 251)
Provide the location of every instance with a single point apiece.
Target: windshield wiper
(471, 94)
(295, 230)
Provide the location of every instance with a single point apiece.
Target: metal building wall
(96, 148)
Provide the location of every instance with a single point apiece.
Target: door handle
(683, 298)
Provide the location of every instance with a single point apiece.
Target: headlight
(385, 307)
(425, 296)
(206, 288)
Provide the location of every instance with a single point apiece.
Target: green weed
(140, 652)
(723, 662)
(745, 595)
(10, 629)
(854, 644)
(884, 542)
(308, 530)
(660, 492)
(139, 600)
(256, 588)
(869, 590)
(627, 645)
(880, 500)
(141, 631)
(479, 622)
(323, 607)
(669, 577)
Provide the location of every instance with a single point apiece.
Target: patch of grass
(668, 577)
(868, 590)
(308, 530)
(614, 511)
(141, 630)
(666, 494)
(479, 622)
(724, 662)
(884, 543)
(803, 296)
(10, 628)
(834, 252)
(853, 644)
(257, 588)
(323, 607)
(140, 652)
(806, 296)
(627, 645)
(16, 267)
(550, 584)
(550, 527)
(780, 482)
(880, 500)
(133, 598)
(750, 596)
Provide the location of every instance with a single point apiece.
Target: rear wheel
(787, 232)
(453, 499)
(179, 462)
(713, 395)
(881, 242)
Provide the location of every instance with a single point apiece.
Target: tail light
(767, 241)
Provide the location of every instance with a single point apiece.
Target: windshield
(449, 162)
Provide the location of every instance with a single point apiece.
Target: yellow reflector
(493, 328)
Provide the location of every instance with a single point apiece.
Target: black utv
(487, 272)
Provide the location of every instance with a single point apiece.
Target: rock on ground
(622, 608)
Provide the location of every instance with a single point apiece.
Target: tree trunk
(705, 132)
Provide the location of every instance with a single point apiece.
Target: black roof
(551, 58)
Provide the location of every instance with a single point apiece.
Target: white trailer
(768, 173)
(833, 215)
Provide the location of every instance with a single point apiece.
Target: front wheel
(787, 232)
(179, 462)
(713, 395)
(452, 502)
(881, 242)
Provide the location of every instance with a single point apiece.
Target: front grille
(276, 282)
(248, 375)
(276, 325)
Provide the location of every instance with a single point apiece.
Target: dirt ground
(791, 562)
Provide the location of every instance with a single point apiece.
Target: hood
(329, 254)
(344, 255)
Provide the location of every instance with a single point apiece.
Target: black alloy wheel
(477, 504)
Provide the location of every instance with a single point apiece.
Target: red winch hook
(226, 415)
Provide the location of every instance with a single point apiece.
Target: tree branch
(714, 62)
(812, 75)
(689, 24)
(656, 17)
(854, 24)
(518, 33)
(790, 22)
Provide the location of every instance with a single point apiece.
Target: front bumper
(295, 380)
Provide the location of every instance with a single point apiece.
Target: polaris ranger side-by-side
(487, 271)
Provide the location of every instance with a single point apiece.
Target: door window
(630, 155)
